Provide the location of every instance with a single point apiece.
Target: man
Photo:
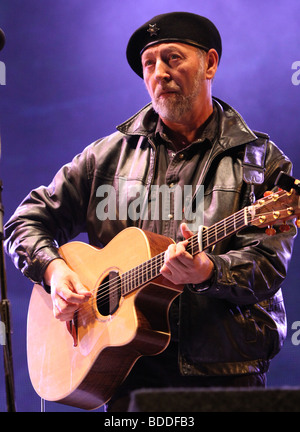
(230, 320)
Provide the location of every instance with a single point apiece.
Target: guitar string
(114, 285)
(138, 273)
(210, 236)
(147, 267)
(206, 237)
(210, 233)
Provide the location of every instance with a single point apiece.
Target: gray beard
(176, 106)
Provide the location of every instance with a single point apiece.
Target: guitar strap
(253, 165)
(253, 169)
(254, 162)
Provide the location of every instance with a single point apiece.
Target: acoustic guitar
(82, 362)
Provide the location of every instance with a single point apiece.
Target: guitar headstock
(276, 208)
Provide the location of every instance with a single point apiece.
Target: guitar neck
(149, 270)
(219, 231)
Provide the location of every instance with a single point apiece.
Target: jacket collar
(233, 130)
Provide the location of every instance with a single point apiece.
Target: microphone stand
(5, 327)
(5, 318)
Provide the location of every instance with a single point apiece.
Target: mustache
(166, 88)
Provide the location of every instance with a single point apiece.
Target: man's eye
(174, 57)
(148, 63)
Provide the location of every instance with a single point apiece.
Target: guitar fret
(215, 232)
(154, 269)
(135, 278)
(223, 229)
(143, 273)
(123, 285)
(140, 275)
(155, 266)
(191, 246)
(130, 279)
(149, 271)
(220, 233)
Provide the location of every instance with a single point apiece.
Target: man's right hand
(67, 292)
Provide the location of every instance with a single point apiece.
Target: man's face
(174, 75)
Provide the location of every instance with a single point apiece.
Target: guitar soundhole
(109, 294)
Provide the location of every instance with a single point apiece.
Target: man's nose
(162, 71)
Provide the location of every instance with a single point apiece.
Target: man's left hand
(180, 267)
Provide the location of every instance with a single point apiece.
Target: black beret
(182, 27)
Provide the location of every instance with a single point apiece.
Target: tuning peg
(284, 227)
(270, 231)
(268, 193)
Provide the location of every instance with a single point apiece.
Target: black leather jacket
(236, 325)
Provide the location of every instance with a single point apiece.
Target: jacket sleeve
(48, 217)
(255, 265)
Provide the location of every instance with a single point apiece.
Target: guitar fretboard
(149, 270)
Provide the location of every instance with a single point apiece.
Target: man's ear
(212, 61)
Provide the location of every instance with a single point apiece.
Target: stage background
(68, 84)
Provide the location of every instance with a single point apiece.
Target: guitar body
(84, 367)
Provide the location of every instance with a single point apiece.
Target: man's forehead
(167, 47)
